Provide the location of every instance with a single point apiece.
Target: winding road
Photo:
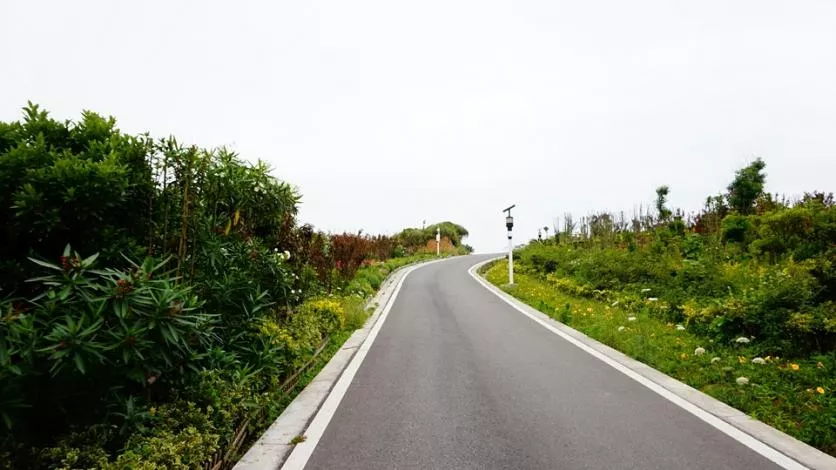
(457, 378)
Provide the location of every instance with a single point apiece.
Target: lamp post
(509, 224)
(438, 241)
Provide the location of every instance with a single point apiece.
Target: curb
(759, 436)
(271, 450)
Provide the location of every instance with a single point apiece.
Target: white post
(510, 259)
(438, 241)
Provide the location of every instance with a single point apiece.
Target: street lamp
(509, 224)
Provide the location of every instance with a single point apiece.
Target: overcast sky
(385, 113)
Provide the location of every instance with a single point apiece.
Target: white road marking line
(726, 428)
(302, 452)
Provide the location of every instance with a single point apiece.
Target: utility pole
(509, 224)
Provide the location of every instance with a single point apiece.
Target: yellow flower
(153, 410)
(683, 356)
(794, 366)
(820, 365)
(741, 359)
(589, 309)
(820, 390)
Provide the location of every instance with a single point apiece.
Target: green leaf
(79, 363)
(46, 265)
(89, 260)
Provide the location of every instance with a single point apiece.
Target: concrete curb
(271, 450)
(799, 452)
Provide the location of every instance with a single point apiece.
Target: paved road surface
(459, 379)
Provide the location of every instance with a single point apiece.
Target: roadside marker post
(509, 224)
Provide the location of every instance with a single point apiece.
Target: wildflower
(683, 356)
(631, 318)
(620, 328)
(820, 390)
(652, 299)
(742, 381)
(820, 365)
(286, 254)
(742, 340)
(741, 359)
(758, 360)
(699, 351)
(715, 360)
(794, 366)
(589, 309)
(152, 411)
(679, 327)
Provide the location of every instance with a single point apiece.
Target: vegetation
(159, 304)
(737, 300)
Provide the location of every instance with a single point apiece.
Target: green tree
(661, 200)
(747, 187)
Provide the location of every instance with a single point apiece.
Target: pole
(438, 241)
(510, 259)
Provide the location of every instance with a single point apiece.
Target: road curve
(458, 379)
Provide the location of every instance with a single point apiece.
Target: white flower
(631, 318)
(699, 351)
(742, 380)
(275, 250)
(679, 327)
(652, 299)
(715, 359)
(286, 254)
(758, 360)
(742, 340)
(620, 328)
(615, 303)
(645, 290)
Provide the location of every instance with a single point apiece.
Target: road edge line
(774, 445)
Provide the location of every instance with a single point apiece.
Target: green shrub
(84, 184)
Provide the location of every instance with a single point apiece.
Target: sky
(386, 113)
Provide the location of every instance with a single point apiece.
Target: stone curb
(791, 447)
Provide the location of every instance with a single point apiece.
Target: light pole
(438, 241)
(509, 224)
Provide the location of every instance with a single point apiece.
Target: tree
(746, 187)
(661, 199)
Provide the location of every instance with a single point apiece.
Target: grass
(795, 395)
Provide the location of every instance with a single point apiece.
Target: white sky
(387, 113)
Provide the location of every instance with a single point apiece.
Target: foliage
(746, 187)
(751, 269)
(82, 183)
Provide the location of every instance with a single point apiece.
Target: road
(459, 379)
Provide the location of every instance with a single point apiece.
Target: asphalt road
(459, 379)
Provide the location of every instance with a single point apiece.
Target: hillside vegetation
(160, 304)
(737, 300)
